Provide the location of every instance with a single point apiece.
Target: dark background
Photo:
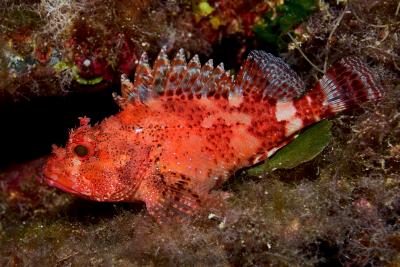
(29, 127)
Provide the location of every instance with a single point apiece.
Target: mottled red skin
(184, 131)
(133, 154)
(317, 108)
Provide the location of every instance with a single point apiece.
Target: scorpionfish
(184, 129)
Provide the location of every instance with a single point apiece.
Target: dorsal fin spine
(160, 69)
(224, 84)
(269, 76)
(178, 66)
(211, 85)
(126, 87)
(262, 75)
(205, 72)
(194, 67)
(143, 79)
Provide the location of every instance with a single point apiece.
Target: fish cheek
(101, 181)
(83, 181)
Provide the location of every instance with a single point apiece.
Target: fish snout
(55, 175)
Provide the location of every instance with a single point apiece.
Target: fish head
(97, 163)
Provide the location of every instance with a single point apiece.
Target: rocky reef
(62, 59)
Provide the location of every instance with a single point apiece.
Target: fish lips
(55, 175)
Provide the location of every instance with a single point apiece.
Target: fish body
(184, 129)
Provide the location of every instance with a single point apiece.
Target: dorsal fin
(141, 88)
(225, 84)
(160, 70)
(176, 72)
(210, 86)
(126, 87)
(270, 74)
(205, 72)
(262, 74)
(191, 75)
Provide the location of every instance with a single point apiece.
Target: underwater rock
(347, 214)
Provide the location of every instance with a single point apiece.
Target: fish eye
(81, 150)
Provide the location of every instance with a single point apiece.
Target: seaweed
(306, 146)
(275, 24)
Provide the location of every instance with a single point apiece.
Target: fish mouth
(56, 176)
(60, 186)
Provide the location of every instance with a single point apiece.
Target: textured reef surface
(62, 59)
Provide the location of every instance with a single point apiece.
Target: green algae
(84, 81)
(274, 26)
(304, 148)
(63, 66)
(204, 9)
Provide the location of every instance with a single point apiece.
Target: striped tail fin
(349, 83)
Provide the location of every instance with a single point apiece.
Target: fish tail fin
(347, 84)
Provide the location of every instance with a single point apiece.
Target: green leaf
(304, 148)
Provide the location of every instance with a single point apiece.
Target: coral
(59, 16)
(86, 45)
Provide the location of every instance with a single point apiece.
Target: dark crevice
(30, 127)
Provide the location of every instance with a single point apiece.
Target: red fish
(185, 128)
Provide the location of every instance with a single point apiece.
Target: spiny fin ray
(264, 73)
(160, 69)
(176, 72)
(348, 83)
(261, 75)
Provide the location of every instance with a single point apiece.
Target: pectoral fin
(172, 196)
